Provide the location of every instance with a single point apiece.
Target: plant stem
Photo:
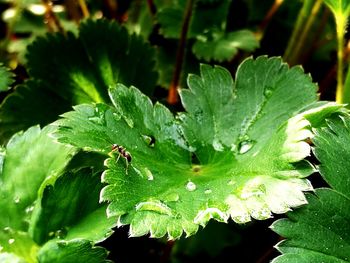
(84, 8)
(152, 7)
(268, 18)
(51, 19)
(305, 33)
(172, 95)
(340, 24)
(302, 16)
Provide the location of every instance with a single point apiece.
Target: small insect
(123, 153)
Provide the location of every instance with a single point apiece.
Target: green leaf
(29, 159)
(78, 250)
(18, 112)
(68, 70)
(43, 198)
(319, 232)
(70, 209)
(218, 46)
(233, 153)
(339, 7)
(6, 78)
(205, 16)
(333, 152)
(102, 55)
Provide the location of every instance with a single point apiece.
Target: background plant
(235, 146)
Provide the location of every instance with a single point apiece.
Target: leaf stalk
(172, 94)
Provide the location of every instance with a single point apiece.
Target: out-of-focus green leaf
(220, 47)
(66, 70)
(77, 251)
(205, 16)
(81, 69)
(22, 109)
(28, 160)
(6, 78)
(70, 209)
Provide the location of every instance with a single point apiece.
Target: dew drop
(172, 197)
(245, 146)
(17, 199)
(217, 145)
(149, 140)
(7, 229)
(268, 92)
(208, 191)
(231, 182)
(61, 233)
(129, 121)
(29, 209)
(154, 206)
(11, 241)
(190, 186)
(233, 147)
(149, 174)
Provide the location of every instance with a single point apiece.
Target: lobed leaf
(6, 78)
(78, 250)
(47, 195)
(205, 15)
(233, 153)
(223, 47)
(18, 112)
(70, 209)
(320, 230)
(67, 70)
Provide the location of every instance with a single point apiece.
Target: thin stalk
(340, 24)
(84, 8)
(152, 7)
(346, 98)
(51, 19)
(172, 94)
(272, 11)
(302, 16)
(305, 32)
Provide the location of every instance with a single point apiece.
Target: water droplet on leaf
(129, 121)
(190, 186)
(217, 145)
(231, 182)
(268, 92)
(149, 174)
(149, 140)
(172, 197)
(11, 241)
(208, 191)
(61, 233)
(29, 209)
(154, 206)
(17, 199)
(245, 146)
(7, 229)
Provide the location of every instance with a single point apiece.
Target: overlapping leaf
(206, 15)
(320, 231)
(42, 190)
(6, 78)
(218, 46)
(70, 69)
(236, 152)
